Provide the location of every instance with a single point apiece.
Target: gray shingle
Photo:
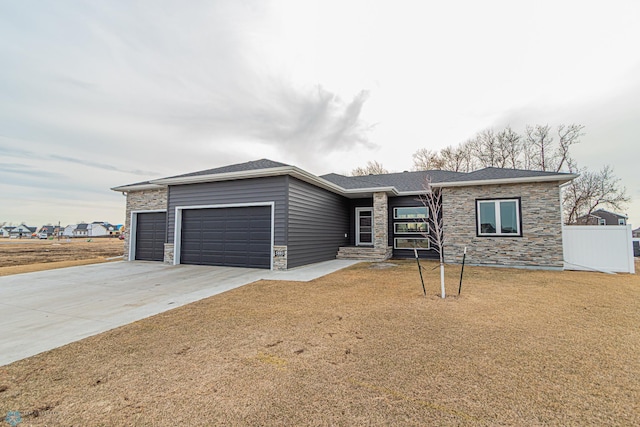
(402, 181)
(499, 173)
(240, 167)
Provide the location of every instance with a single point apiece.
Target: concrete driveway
(44, 310)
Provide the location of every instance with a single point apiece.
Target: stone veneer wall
(380, 219)
(541, 241)
(140, 201)
(279, 258)
(380, 225)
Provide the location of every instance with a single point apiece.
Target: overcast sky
(104, 93)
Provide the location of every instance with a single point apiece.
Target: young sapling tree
(432, 200)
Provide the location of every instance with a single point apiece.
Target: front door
(364, 226)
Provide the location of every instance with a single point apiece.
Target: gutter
(328, 185)
(137, 187)
(564, 179)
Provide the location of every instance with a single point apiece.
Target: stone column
(380, 221)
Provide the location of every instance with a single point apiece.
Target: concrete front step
(364, 253)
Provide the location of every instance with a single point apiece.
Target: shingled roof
(240, 167)
(403, 181)
(492, 173)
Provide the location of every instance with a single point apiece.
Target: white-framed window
(410, 227)
(498, 217)
(621, 221)
(419, 243)
(602, 221)
(411, 212)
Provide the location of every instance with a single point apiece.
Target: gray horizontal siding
(268, 189)
(318, 221)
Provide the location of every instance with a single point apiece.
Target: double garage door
(234, 237)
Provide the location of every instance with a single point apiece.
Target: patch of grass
(361, 346)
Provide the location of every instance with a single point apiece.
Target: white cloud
(103, 94)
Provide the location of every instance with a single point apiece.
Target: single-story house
(109, 229)
(5, 231)
(82, 230)
(636, 233)
(22, 231)
(267, 214)
(602, 217)
(68, 230)
(50, 230)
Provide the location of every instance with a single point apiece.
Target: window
(621, 221)
(422, 244)
(500, 217)
(410, 213)
(602, 221)
(410, 227)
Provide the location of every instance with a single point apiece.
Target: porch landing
(365, 253)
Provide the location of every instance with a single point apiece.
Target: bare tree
(592, 190)
(567, 136)
(510, 146)
(425, 160)
(432, 200)
(457, 159)
(540, 147)
(372, 168)
(486, 149)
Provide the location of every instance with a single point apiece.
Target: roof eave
(277, 171)
(561, 179)
(137, 187)
(354, 193)
(228, 176)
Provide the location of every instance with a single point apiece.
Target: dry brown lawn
(28, 255)
(359, 347)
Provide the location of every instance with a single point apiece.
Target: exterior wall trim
(133, 228)
(357, 226)
(177, 235)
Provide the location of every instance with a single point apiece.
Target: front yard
(359, 347)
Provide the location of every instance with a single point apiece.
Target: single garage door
(234, 237)
(151, 229)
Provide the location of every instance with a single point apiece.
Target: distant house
(21, 231)
(98, 229)
(6, 231)
(68, 230)
(95, 229)
(50, 230)
(602, 217)
(114, 230)
(636, 232)
(109, 229)
(81, 230)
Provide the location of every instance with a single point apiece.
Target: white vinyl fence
(598, 248)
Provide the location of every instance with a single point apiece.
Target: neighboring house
(98, 229)
(50, 230)
(22, 231)
(266, 214)
(636, 233)
(5, 231)
(602, 217)
(109, 229)
(69, 229)
(81, 230)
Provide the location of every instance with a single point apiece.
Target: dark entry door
(151, 228)
(234, 237)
